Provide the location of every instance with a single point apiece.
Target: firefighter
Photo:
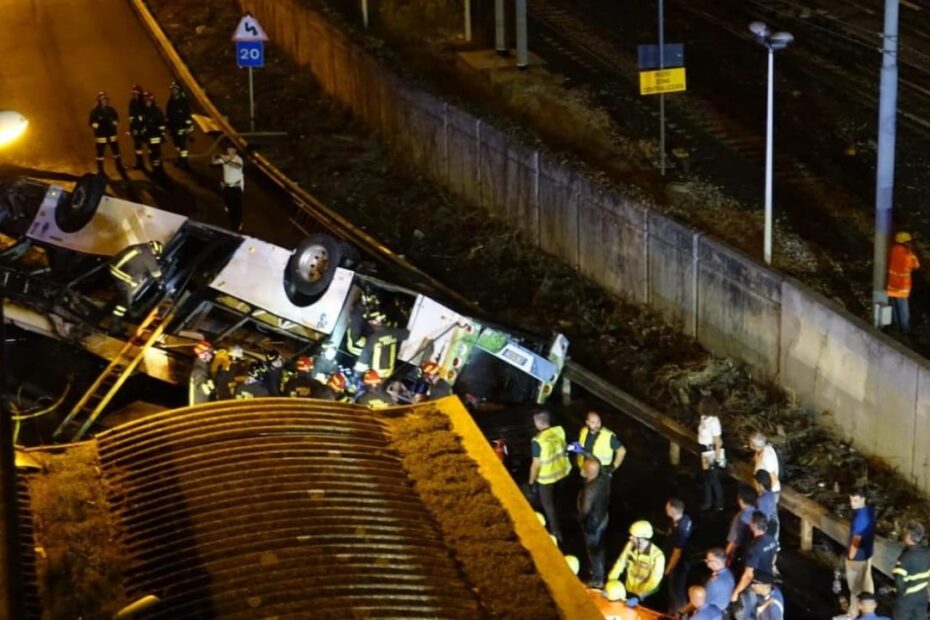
(601, 444)
(222, 375)
(643, 562)
(302, 384)
(325, 362)
(373, 396)
(901, 262)
(180, 123)
(380, 350)
(154, 133)
(254, 384)
(430, 386)
(201, 386)
(104, 121)
(912, 575)
(550, 465)
(132, 270)
(137, 124)
(335, 388)
(275, 365)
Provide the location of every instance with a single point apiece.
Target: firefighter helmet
(174, 86)
(337, 382)
(157, 246)
(149, 97)
(641, 529)
(257, 370)
(101, 96)
(902, 237)
(303, 364)
(573, 564)
(236, 353)
(371, 378)
(541, 518)
(272, 355)
(430, 368)
(203, 347)
(136, 90)
(615, 591)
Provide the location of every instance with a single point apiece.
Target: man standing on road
(760, 558)
(901, 262)
(739, 534)
(550, 465)
(180, 123)
(712, 455)
(912, 576)
(593, 503)
(721, 582)
(601, 444)
(676, 544)
(104, 121)
(137, 124)
(154, 134)
(233, 185)
(765, 457)
(859, 549)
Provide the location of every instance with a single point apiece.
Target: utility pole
(522, 50)
(662, 95)
(884, 176)
(500, 34)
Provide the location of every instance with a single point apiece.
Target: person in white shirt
(764, 457)
(233, 185)
(710, 437)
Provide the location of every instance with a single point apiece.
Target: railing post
(807, 535)
(674, 454)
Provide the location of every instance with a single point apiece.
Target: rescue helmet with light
(203, 347)
(902, 237)
(157, 246)
(257, 370)
(614, 591)
(541, 518)
(641, 529)
(372, 378)
(430, 368)
(573, 564)
(337, 382)
(303, 364)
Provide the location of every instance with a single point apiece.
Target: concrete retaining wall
(876, 393)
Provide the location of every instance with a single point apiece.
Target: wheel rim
(314, 263)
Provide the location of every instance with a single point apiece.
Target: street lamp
(772, 41)
(12, 126)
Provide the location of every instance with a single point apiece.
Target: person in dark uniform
(593, 504)
(911, 576)
(180, 123)
(373, 396)
(760, 558)
(104, 121)
(254, 384)
(132, 270)
(676, 545)
(335, 388)
(201, 385)
(154, 133)
(430, 385)
(137, 124)
(302, 384)
(275, 365)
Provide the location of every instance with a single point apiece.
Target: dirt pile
(472, 521)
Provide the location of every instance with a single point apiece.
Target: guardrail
(812, 515)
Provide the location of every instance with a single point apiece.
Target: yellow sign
(662, 81)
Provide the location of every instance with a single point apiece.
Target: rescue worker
(759, 559)
(771, 602)
(720, 584)
(132, 270)
(642, 561)
(901, 262)
(233, 185)
(137, 124)
(431, 385)
(302, 384)
(254, 384)
(325, 363)
(180, 123)
(223, 377)
(739, 534)
(593, 504)
(699, 608)
(275, 369)
(550, 465)
(154, 133)
(373, 396)
(104, 120)
(601, 444)
(336, 385)
(228, 378)
(381, 345)
(358, 330)
(867, 607)
(912, 575)
(201, 386)
(676, 545)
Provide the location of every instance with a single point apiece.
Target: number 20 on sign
(250, 54)
(662, 81)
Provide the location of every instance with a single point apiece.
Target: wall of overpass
(875, 393)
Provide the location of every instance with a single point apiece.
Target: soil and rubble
(472, 521)
(341, 162)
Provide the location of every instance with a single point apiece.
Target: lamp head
(760, 30)
(780, 40)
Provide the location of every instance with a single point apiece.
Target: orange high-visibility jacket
(901, 262)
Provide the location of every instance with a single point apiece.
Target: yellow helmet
(573, 564)
(902, 237)
(541, 518)
(614, 591)
(641, 529)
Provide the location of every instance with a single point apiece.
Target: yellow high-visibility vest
(601, 448)
(553, 462)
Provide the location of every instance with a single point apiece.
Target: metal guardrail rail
(812, 515)
(271, 507)
(32, 605)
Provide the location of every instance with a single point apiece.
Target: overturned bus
(238, 290)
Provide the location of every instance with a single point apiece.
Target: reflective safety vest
(601, 448)
(644, 569)
(134, 266)
(901, 262)
(553, 462)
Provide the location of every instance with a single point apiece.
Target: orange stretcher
(617, 610)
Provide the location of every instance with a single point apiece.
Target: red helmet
(371, 378)
(303, 364)
(202, 347)
(337, 382)
(430, 368)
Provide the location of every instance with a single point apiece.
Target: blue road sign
(648, 56)
(250, 54)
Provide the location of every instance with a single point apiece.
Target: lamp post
(772, 41)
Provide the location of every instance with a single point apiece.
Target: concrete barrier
(876, 393)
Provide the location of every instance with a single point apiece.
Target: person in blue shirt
(739, 534)
(767, 501)
(676, 543)
(859, 548)
(867, 607)
(771, 602)
(699, 608)
(720, 584)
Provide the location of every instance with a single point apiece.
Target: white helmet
(614, 591)
(236, 353)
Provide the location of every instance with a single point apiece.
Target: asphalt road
(57, 55)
